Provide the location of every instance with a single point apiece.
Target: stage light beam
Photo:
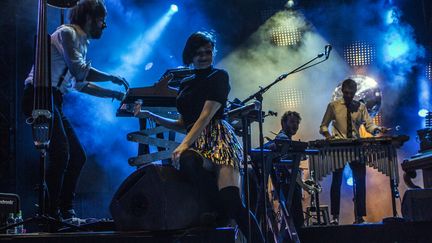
(140, 49)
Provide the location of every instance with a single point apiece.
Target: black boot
(232, 205)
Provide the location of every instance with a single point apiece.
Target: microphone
(327, 50)
(272, 113)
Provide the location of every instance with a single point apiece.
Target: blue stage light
(350, 181)
(422, 112)
(348, 175)
(392, 15)
(396, 45)
(388, 16)
(174, 8)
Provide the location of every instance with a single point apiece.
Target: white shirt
(336, 113)
(69, 45)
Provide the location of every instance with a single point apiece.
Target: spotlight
(286, 36)
(148, 66)
(290, 4)
(423, 112)
(174, 8)
(392, 16)
(360, 53)
(349, 181)
(389, 17)
(290, 98)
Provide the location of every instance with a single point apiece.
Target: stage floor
(412, 232)
(418, 232)
(218, 235)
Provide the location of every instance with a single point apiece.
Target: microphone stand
(258, 96)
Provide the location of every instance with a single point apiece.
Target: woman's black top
(205, 84)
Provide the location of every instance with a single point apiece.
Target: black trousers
(66, 158)
(359, 176)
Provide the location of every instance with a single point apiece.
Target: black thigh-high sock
(232, 205)
(204, 182)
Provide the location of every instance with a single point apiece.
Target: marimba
(377, 152)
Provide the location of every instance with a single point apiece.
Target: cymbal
(62, 3)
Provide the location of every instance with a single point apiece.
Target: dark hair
(93, 8)
(287, 114)
(194, 42)
(349, 83)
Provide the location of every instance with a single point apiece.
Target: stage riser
(418, 232)
(208, 236)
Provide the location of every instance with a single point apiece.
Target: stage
(275, 56)
(412, 232)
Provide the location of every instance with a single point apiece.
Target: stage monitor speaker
(417, 205)
(9, 203)
(155, 197)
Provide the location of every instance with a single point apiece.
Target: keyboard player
(346, 116)
(290, 122)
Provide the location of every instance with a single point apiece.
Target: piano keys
(421, 161)
(159, 99)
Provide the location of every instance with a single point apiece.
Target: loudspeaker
(416, 205)
(9, 203)
(155, 197)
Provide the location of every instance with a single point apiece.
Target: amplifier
(9, 203)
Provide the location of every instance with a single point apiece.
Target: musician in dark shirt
(346, 116)
(290, 122)
(210, 142)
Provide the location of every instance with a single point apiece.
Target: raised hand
(120, 81)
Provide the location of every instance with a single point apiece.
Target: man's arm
(97, 91)
(95, 75)
(328, 117)
(77, 65)
(368, 122)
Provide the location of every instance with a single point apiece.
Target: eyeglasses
(102, 21)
